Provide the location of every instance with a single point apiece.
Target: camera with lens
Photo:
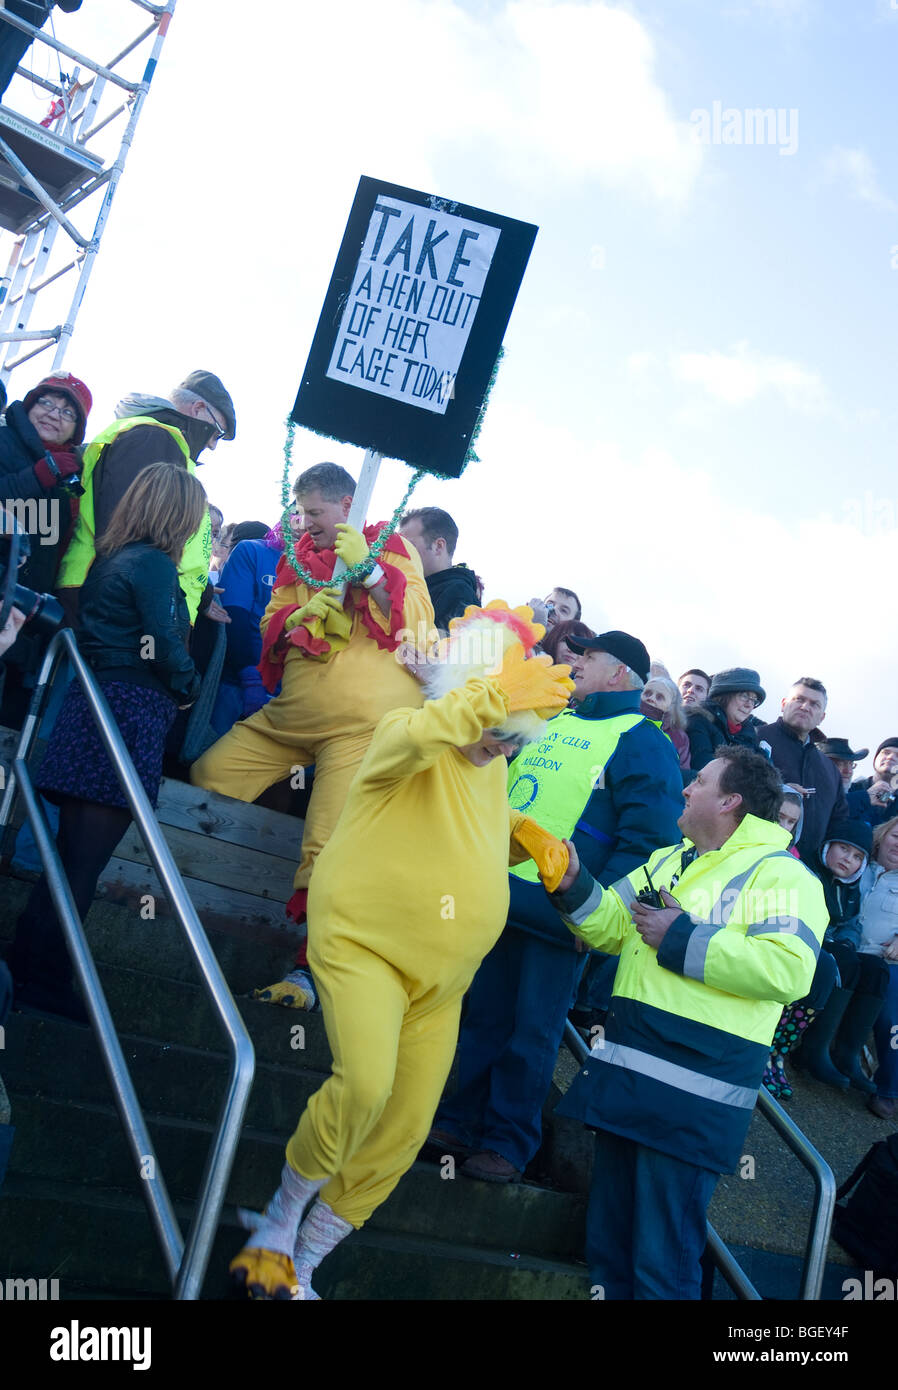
(43, 613)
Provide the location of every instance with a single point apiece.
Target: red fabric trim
(296, 908)
(320, 564)
(396, 584)
(271, 665)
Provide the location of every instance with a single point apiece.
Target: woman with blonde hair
(133, 634)
(879, 937)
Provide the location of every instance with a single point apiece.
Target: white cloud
(854, 168)
(639, 363)
(590, 103)
(741, 375)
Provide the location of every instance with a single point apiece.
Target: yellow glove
(338, 625)
(320, 605)
(351, 545)
(548, 854)
(533, 683)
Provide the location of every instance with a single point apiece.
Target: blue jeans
(886, 1041)
(646, 1223)
(508, 1045)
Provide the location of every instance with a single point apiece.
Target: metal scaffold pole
(51, 167)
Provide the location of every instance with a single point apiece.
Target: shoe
(60, 1002)
(442, 1141)
(883, 1106)
(490, 1167)
(294, 991)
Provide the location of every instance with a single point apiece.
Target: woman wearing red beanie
(40, 461)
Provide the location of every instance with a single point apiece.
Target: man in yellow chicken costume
(335, 659)
(408, 896)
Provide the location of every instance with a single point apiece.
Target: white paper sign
(414, 297)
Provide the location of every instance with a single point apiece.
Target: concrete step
(250, 956)
(49, 1227)
(47, 1057)
(89, 1151)
(182, 1014)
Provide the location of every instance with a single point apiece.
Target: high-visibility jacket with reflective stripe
(193, 571)
(555, 778)
(690, 1025)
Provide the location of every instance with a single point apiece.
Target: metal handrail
(186, 1265)
(824, 1192)
(824, 1196)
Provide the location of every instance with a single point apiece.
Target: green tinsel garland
(356, 573)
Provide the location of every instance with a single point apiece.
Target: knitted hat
(886, 743)
(211, 388)
(74, 390)
(851, 832)
(621, 645)
(735, 679)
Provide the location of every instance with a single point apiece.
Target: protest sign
(412, 323)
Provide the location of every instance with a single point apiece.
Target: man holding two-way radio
(715, 934)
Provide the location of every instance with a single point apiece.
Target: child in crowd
(133, 633)
(843, 1027)
(795, 1017)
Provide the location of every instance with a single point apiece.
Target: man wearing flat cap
(608, 779)
(150, 429)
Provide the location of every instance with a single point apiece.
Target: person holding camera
(40, 466)
(873, 799)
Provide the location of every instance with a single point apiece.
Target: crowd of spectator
(146, 571)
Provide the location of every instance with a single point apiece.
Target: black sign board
(412, 323)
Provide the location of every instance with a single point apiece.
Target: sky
(694, 424)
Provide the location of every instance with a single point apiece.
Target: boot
(795, 1020)
(815, 1047)
(319, 1234)
(857, 1024)
(264, 1267)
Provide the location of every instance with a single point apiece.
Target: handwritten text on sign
(414, 296)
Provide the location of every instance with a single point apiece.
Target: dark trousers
(508, 1045)
(646, 1223)
(87, 839)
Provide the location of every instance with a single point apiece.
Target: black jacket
(21, 448)
(128, 455)
(450, 593)
(803, 764)
(707, 729)
(861, 808)
(134, 622)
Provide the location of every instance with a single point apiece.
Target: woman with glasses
(726, 717)
(40, 463)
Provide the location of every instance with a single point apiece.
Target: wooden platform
(237, 859)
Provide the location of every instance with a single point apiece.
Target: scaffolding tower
(52, 166)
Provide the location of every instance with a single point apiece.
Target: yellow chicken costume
(408, 896)
(336, 660)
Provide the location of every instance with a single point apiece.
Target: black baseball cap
(621, 645)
